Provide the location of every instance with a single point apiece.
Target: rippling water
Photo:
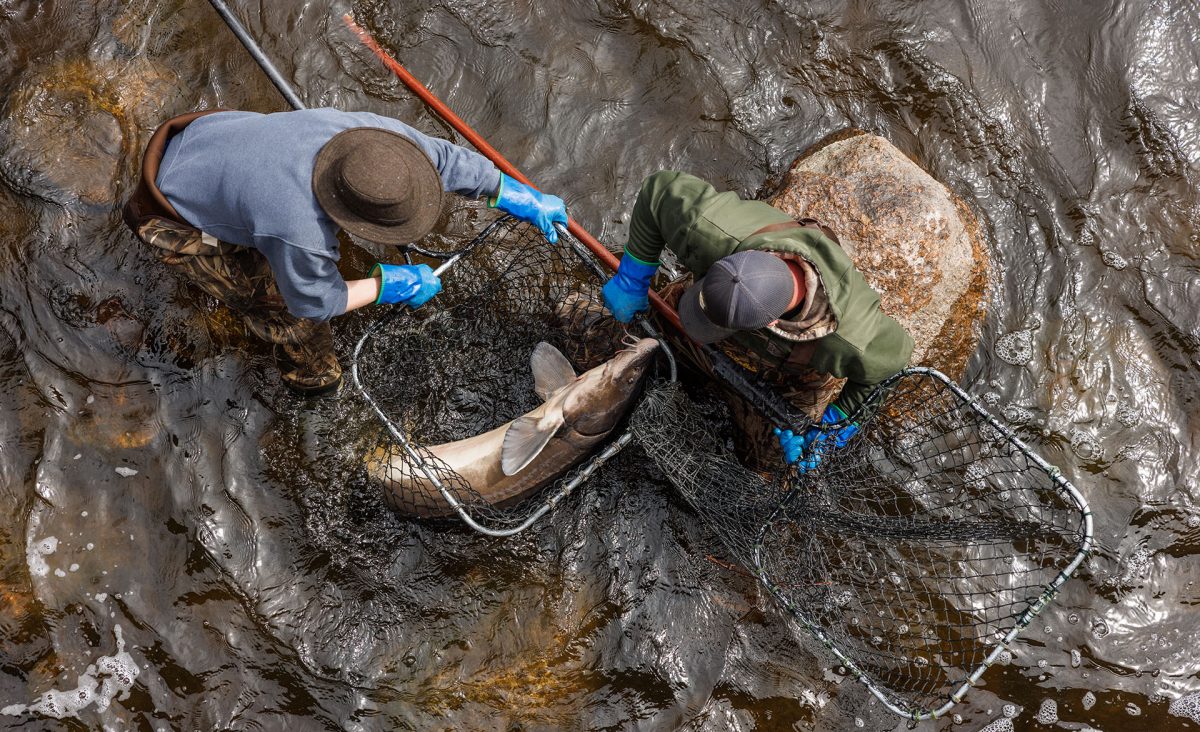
(189, 495)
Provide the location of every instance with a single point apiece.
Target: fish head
(600, 397)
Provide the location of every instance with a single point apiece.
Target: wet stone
(915, 242)
(68, 130)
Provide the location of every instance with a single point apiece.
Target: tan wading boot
(306, 372)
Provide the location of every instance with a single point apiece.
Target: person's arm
(361, 292)
(666, 208)
(309, 281)
(886, 354)
(470, 174)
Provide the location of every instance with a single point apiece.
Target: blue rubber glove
(628, 292)
(529, 204)
(806, 451)
(406, 284)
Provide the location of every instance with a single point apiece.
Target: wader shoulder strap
(147, 200)
(804, 223)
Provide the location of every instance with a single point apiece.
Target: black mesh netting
(460, 367)
(915, 552)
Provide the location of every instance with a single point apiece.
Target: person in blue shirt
(249, 205)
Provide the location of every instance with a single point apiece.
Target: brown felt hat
(378, 184)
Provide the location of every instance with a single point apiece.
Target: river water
(196, 547)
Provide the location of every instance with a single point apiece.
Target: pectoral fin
(525, 438)
(551, 370)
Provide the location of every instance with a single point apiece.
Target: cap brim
(425, 186)
(695, 322)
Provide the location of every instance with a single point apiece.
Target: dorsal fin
(551, 370)
(525, 438)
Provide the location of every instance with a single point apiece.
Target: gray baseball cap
(744, 291)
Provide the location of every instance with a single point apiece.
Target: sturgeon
(518, 457)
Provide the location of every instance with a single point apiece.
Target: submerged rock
(71, 127)
(915, 242)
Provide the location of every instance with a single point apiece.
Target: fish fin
(525, 439)
(551, 370)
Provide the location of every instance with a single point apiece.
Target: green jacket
(688, 216)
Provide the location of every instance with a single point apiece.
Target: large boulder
(915, 242)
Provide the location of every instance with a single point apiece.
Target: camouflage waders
(238, 276)
(241, 278)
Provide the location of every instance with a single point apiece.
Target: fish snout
(640, 353)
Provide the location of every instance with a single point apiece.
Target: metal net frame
(915, 554)
(459, 366)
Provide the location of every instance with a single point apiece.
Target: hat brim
(423, 182)
(695, 322)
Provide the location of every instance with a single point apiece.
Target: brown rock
(71, 126)
(915, 242)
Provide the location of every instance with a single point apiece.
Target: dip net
(460, 366)
(915, 554)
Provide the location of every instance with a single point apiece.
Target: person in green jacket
(776, 294)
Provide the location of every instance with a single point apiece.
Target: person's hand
(806, 451)
(406, 284)
(627, 293)
(529, 204)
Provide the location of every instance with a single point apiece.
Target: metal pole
(265, 63)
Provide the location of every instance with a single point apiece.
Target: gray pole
(268, 68)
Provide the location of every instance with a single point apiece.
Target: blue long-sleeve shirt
(246, 178)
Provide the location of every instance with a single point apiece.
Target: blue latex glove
(628, 292)
(406, 284)
(529, 204)
(806, 451)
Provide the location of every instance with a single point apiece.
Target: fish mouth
(641, 346)
(637, 351)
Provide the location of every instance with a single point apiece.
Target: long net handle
(759, 395)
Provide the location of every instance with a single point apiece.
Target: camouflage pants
(806, 390)
(241, 278)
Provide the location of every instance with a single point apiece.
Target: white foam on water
(1016, 348)
(1003, 724)
(125, 472)
(1133, 710)
(1017, 415)
(1010, 710)
(1128, 415)
(1114, 260)
(1048, 712)
(101, 596)
(1076, 658)
(109, 678)
(1187, 707)
(36, 554)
